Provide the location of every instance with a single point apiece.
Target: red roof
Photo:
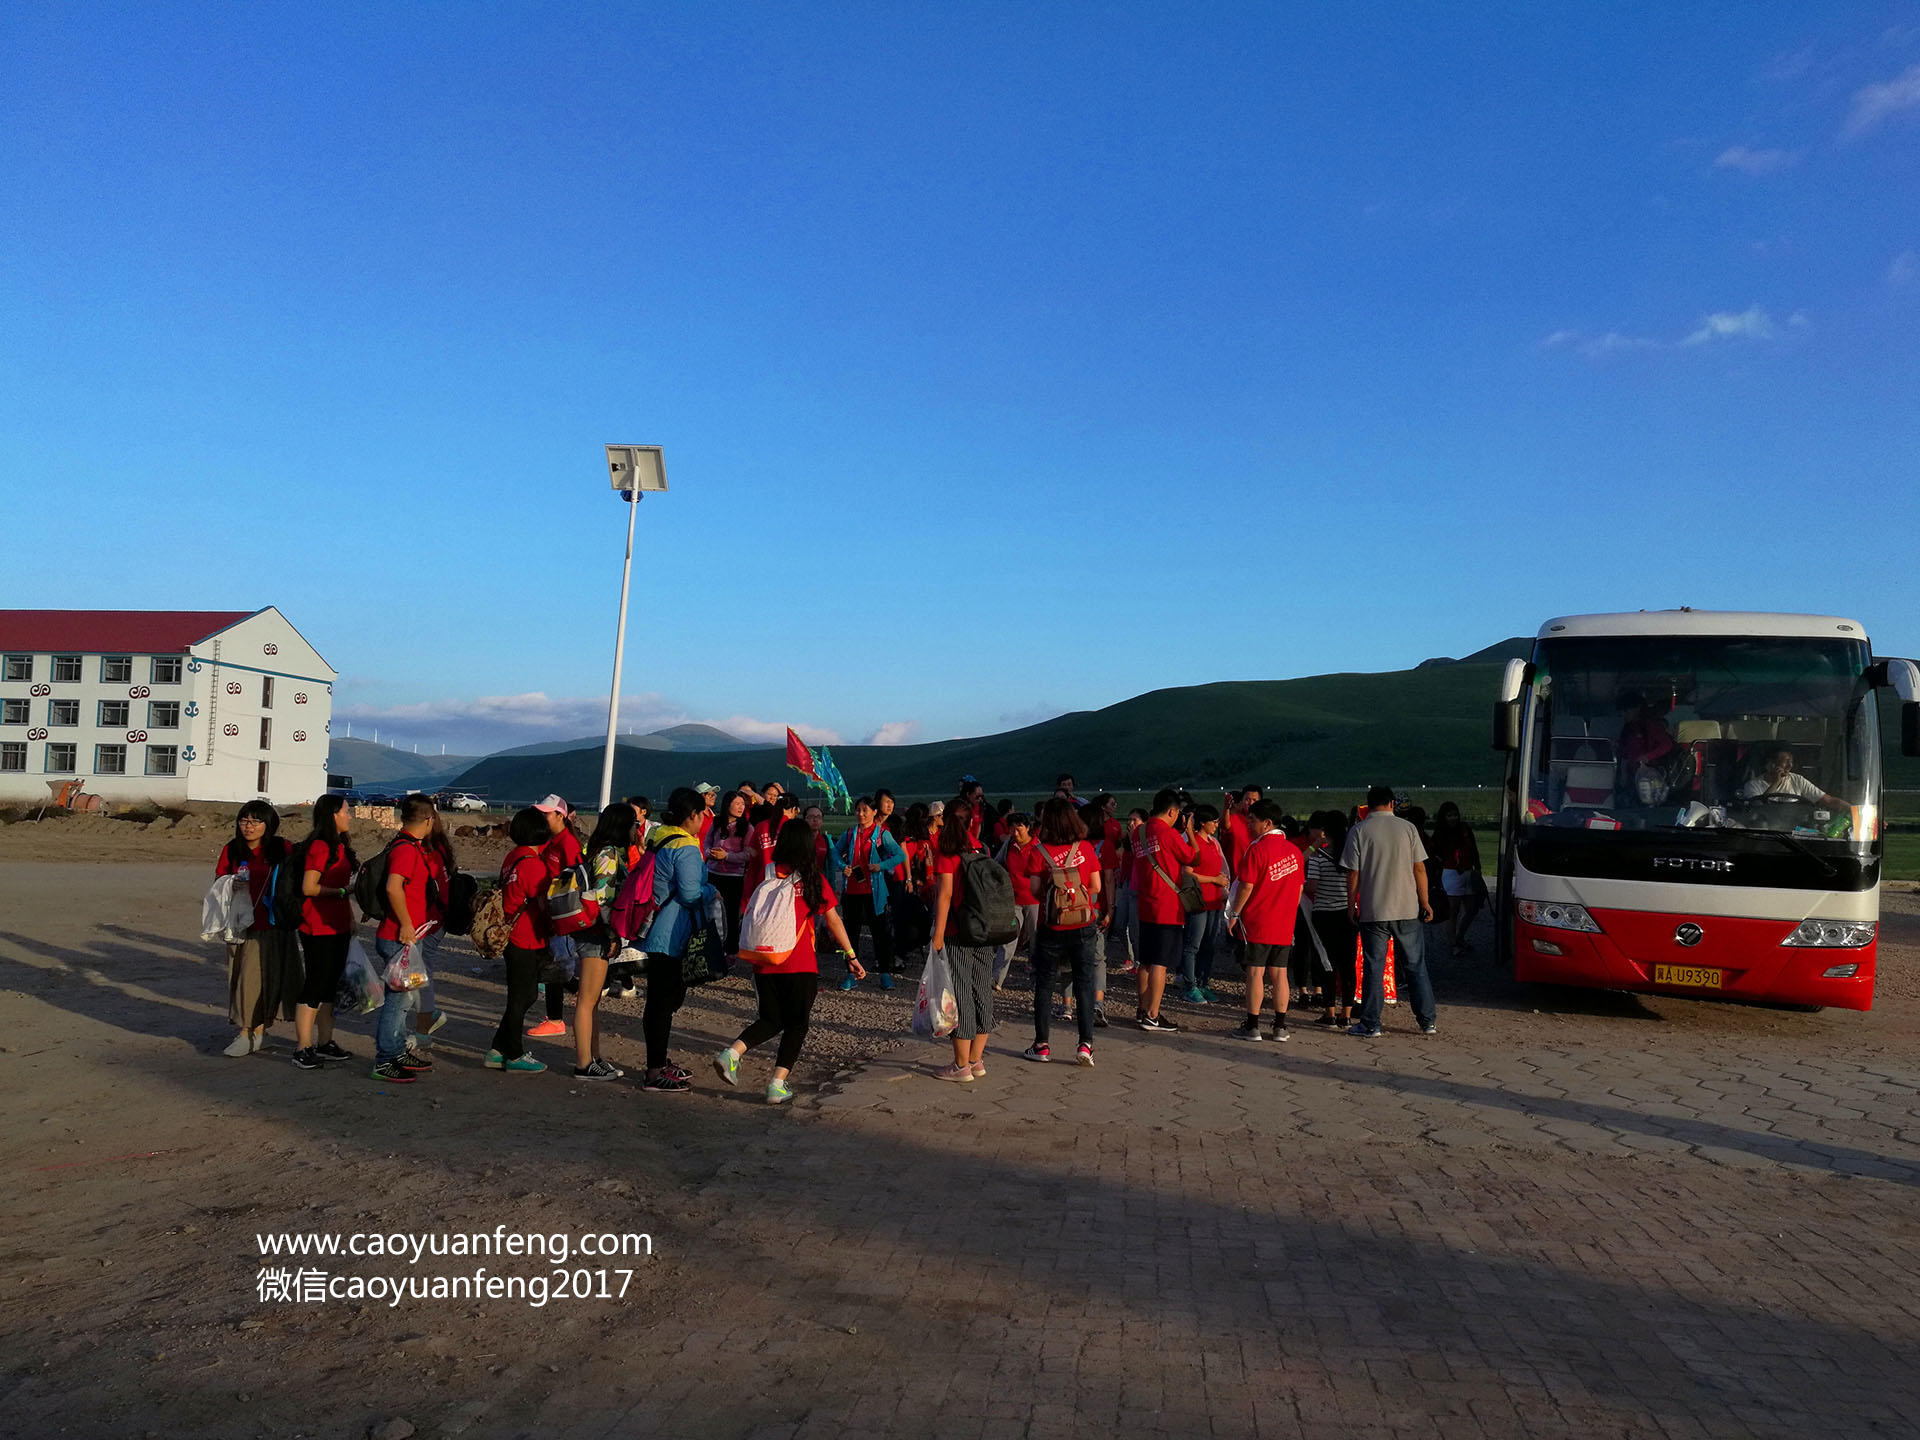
(111, 632)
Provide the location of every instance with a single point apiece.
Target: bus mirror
(1506, 724)
(1910, 728)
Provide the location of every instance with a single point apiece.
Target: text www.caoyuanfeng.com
(305, 1284)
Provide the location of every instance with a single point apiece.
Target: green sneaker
(525, 1064)
(727, 1065)
(495, 1060)
(778, 1092)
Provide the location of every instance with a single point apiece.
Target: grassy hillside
(375, 766)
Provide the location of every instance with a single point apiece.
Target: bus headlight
(1558, 915)
(1832, 934)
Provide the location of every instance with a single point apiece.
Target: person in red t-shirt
(1202, 935)
(416, 896)
(1263, 907)
(766, 829)
(972, 965)
(257, 979)
(1012, 855)
(703, 822)
(1062, 870)
(563, 850)
(1161, 852)
(326, 929)
(523, 880)
(787, 990)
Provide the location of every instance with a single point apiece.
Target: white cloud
(1613, 342)
(1904, 269)
(895, 732)
(497, 722)
(1559, 338)
(1788, 65)
(1755, 162)
(1874, 103)
(1752, 323)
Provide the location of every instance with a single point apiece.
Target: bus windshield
(1704, 734)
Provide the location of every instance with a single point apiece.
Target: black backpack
(463, 899)
(370, 884)
(987, 915)
(286, 888)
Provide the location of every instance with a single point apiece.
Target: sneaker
(331, 1051)
(259, 1041)
(679, 1072)
(1140, 1018)
(495, 1060)
(1154, 1024)
(1429, 1030)
(1327, 1019)
(411, 1059)
(1037, 1051)
(665, 1081)
(979, 1068)
(1248, 1029)
(525, 1065)
(959, 1074)
(1359, 1030)
(393, 1073)
(1213, 996)
(439, 1019)
(1196, 995)
(727, 1065)
(306, 1059)
(547, 1029)
(778, 1092)
(886, 983)
(849, 983)
(1085, 1057)
(1099, 1017)
(595, 1070)
(241, 1044)
(1279, 1032)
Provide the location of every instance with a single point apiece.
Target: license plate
(1696, 975)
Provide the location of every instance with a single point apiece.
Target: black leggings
(523, 978)
(666, 989)
(730, 888)
(856, 911)
(1071, 950)
(326, 957)
(786, 1010)
(1336, 933)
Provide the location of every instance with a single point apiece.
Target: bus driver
(1777, 777)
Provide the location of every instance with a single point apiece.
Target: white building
(162, 705)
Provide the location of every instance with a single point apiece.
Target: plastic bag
(226, 914)
(936, 1013)
(407, 970)
(360, 987)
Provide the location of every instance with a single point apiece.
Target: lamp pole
(634, 470)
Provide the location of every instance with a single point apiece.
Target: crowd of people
(1163, 896)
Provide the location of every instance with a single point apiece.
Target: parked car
(380, 799)
(462, 800)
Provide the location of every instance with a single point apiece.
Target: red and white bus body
(1693, 805)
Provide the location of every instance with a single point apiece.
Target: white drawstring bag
(226, 914)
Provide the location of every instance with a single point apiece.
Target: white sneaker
(242, 1044)
(259, 1041)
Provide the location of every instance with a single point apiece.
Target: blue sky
(1006, 362)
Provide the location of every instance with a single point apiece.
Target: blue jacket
(886, 854)
(679, 890)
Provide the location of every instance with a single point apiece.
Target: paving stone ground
(1564, 1215)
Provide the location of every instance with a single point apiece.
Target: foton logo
(1689, 862)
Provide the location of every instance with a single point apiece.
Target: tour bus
(1692, 805)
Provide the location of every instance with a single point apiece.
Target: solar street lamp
(634, 470)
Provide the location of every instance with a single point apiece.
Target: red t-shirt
(423, 880)
(1159, 847)
(805, 959)
(1082, 855)
(563, 850)
(1235, 837)
(759, 853)
(1017, 858)
(1270, 875)
(702, 824)
(940, 863)
(259, 865)
(857, 860)
(1210, 859)
(328, 914)
(525, 874)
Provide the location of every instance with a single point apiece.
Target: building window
(266, 694)
(262, 786)
(13, 755)
(163, 714)
(18, 667)
(116, 669)
(163, 760)
(63, 712)
(266, 733)
(62, 758)
(166, 669)
(109, 759)
(66, 669)
(115, 714)
(13, 712)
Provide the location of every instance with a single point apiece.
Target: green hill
(383, 767)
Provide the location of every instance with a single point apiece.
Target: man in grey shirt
(1386, 869)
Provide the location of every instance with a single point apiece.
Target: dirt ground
(857, 1265)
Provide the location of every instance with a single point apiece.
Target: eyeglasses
(252, 820)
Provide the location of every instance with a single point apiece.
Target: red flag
(799, 757)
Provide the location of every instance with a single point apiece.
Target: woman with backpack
(972, 965)
(609, 857)
(523, 883)
(1457, 853)
(258, 979)
(326, 930)
(416, 893)
(727, 844)
(680, 907)
(1063, 872)
(788, 985)
(562, 851)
